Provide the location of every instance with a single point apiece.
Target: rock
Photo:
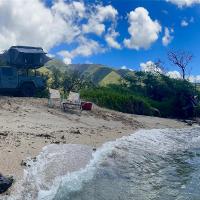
(4, 134)
(5, 183)
(23, 163)
(63, 137)
(76, 132)
(46, 136)
(190, 122)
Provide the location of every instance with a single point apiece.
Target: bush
(166, 108)
(197, 111)
(123, 102)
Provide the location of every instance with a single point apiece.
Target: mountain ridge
(99, 74)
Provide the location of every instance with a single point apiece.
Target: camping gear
(24, 57)
(73, 101)
(86, 105)
(54, 98)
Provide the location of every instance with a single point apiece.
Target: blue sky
(114, 33)
(169, 15)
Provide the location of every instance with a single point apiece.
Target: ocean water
(148, 165)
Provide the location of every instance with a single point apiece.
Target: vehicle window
(7, 72)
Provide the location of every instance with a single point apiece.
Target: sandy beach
(28, 124)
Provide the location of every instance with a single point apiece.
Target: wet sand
(28, 124)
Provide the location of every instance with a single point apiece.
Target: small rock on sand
(5, 183)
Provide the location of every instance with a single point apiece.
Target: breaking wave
(148, 165)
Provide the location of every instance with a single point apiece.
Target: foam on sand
(149, 164)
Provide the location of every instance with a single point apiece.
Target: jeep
(18, 81)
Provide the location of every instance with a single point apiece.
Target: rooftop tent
(25, 57)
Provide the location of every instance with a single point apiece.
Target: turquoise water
(148, 165)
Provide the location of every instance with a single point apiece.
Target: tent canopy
(25, 57)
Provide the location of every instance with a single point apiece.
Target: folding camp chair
(73, 101)
(54, 98)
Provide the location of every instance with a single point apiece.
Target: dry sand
(27, 125)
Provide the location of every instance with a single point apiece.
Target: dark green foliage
(149, 94)
(172, 97)
(117, 100)
(197, 111)
(139, 92)
(73, 81)
(56, 78)
(42, 94)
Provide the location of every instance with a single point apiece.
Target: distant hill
(55, 63)
(97, 73)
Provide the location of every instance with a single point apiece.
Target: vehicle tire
(28, 90)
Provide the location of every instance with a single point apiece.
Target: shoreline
(27, 125)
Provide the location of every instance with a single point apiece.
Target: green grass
(111, 78)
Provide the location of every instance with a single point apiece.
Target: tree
(181, 59)
(74, 81)
(56, 80)
(159, 66)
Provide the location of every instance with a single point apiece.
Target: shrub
(123, 102)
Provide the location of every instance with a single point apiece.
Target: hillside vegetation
(126, 91)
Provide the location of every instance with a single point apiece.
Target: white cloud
(70, 11)
(184, 3)
(50, 55)
(177, 75)
(31, 23)
(98, 17)
(143, 30)
(184, 23)
(85, 48)
(126, 68)
(150, 66)
(174, 74)
(111, 39)
(67, 57)
(167, 38)
(194, 79)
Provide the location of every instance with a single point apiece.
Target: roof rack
(25, 57)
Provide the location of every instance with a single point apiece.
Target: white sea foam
(149, 164)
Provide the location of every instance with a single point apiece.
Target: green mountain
(97, 73)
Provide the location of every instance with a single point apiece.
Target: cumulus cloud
(111, 39)
(98, 17)
(184, 23)
(126, 68)
(21, 25)
(184, 3)
(174, 74)
(31, 22)
(194, 79)
(66, 56)
(150, 66)
(167, 38)
(85, 48)
(143, 30)
(177, 75)
(70, 11)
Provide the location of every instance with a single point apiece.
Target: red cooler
(86, 105)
